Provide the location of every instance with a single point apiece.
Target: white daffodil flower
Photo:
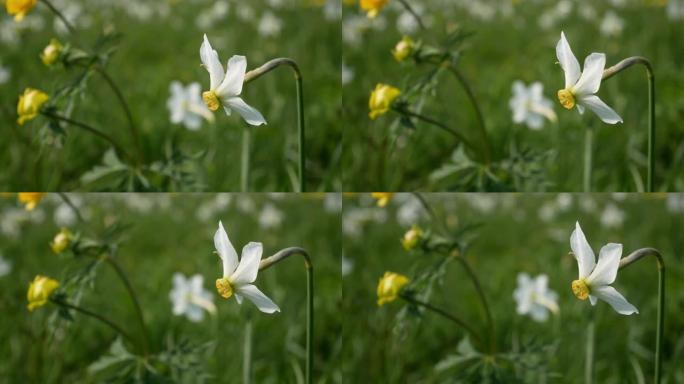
(238, 278)
(580, 87)
(534, 298)
(226, 87)
(189, 297)
(186, 106)
(529, 105)
(595, 278)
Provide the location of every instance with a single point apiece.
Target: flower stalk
(280, 256)
(431, 121)
(244, 159)
(588, 158)
(413, 13)
(268, 67)
(59, 14)
(621, 66)
(247, 354)
(589, 350)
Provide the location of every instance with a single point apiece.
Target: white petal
(607, 266)
(258, 298)
(196, 283)
(568, 61)
(226, 251)
(593, 299)
(583, 252)
(611, 296)
(250, 114)
(580, 109)
(603, 111)
(248, 269)
(590, 81)
(211, 62)
(235, 77)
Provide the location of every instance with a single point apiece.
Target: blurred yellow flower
(381, 99)
(382, 197)
(19, 8)
(40, 290)
(30, 199)
(412, 237)
(29, 104)
(52, 52)
(403, 49)
(389, 286)
(61, 241)
(372, 7)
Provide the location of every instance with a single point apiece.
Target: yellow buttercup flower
(52, 52)
(372, 7)
(412, 237)
(61, 241)
(382, 197)
(389, 286)
(381, 99)
(30, 199)
(29, 104)
(40, 290)
(404, 48)
(19, 8)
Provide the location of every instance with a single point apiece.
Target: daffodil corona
(238, 278)
(372, 7)
(30, 103)
(381, 99)
(389, 287)
(581, 86)
(595, 278)
(40, 290)
(19, 8)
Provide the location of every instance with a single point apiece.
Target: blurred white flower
(189, 297)
(548, 211)
(675, 9)
(5, 74)
(213, 15)
(5, 266)
(186, 106)
(564, 201)
(333, 202)
(245, 204)
(245, 12)
(270, 217)
(409, 212)
(12, 219)
(612, 24)
(347, 266)
(238, 278)
(347, 74)
(595, 278)
(675, 202)
(226, 87)
(534, 298)
(580, 87)
(354, 219)
(65, 216)
(612, 216)
(269, 25)
(332, 10)
(529, 105)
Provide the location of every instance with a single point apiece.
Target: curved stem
(483, 300)
(437, 124)
(90, 129)
(59, 14)
(588, 158)
(134, 298)
(129, 116)
(589, 351)
(629, 260)
(247, 354)
(71, 205)
(92, 314)
(244, 160)
(413, 13)
(444, 314)
(280, 256)
(430, 211)
(268, 67)
(621, 66)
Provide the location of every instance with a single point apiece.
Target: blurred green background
(168, 234)
(160, 43)
(515, 40)
(513, 234)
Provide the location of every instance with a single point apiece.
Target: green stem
(437, 124)
(483, 300)
(90, 129)
(134, 299)
(430, 211)
(124, 105)
(94, 315)
(444, 314)
(247, 354)
(268, 67)
(621, 66)
(589, 353)
(244, 164)
(60, 16)
(71, 205)
(282, 255)
(588, 157)
(413, 13)
(629, 260)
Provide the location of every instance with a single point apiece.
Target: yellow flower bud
(389, 286)
(61, 241)
(372, 7)
(52, 52)
(382, 198)
(412, 237)
(381, 99)
(403, 49)
(29, 104)
(40, 290)
(30, 199)
(19, 8)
